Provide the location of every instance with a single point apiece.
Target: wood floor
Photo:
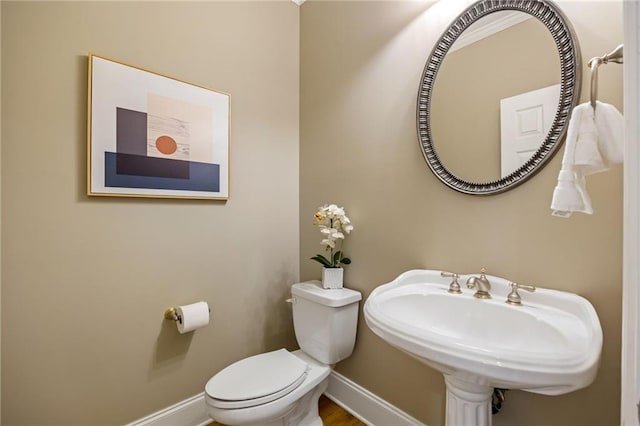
(332, 415)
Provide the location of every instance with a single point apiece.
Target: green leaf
(322, 260)
(346, 260)
(336, 257)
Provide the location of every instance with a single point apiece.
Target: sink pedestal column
(467, 403)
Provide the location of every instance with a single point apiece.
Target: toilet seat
(256, 380)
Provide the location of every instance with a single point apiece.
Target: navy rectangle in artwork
(202, 177)
(131, 131)
(138, 165)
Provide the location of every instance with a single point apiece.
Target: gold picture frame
(155, 136)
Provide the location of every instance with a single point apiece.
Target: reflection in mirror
(517, 84)
(472, 81)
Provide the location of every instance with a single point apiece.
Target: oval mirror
(496, 94)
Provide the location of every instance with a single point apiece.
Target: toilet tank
(325, 320)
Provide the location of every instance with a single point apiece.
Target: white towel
(593, 143)
(587, 158)
(610, 125)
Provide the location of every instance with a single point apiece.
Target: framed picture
(154, 136)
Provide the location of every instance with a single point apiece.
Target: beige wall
(86, 280)
(360, 67)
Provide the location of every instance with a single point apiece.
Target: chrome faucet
(481, 284)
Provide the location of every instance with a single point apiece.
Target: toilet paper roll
(192, 316)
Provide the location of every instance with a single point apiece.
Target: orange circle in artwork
(166, 145)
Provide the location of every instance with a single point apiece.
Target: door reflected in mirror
(475, 77)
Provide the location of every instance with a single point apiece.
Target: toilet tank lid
(334, 297)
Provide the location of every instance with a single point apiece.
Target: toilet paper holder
(173, 315)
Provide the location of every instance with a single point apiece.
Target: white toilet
(281, 387)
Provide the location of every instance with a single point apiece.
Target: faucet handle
(513, 298)
(454, 287)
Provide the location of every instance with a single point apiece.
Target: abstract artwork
(155, 136)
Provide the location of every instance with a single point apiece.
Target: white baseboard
(367, 407)
(190, 412)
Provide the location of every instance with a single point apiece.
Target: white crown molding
(489, 25)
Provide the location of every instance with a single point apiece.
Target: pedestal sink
(550, 344)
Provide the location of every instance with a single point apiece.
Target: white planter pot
(332, 277)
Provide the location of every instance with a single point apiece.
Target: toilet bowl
(280, 406)
(280, 387)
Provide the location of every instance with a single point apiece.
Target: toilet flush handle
(291, 300)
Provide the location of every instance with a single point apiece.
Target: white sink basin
(549, 345)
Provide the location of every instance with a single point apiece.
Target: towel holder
(616, 56)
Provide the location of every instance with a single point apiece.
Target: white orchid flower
(338, 211)
(333, 224)
(336, 235)
(329, 243)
